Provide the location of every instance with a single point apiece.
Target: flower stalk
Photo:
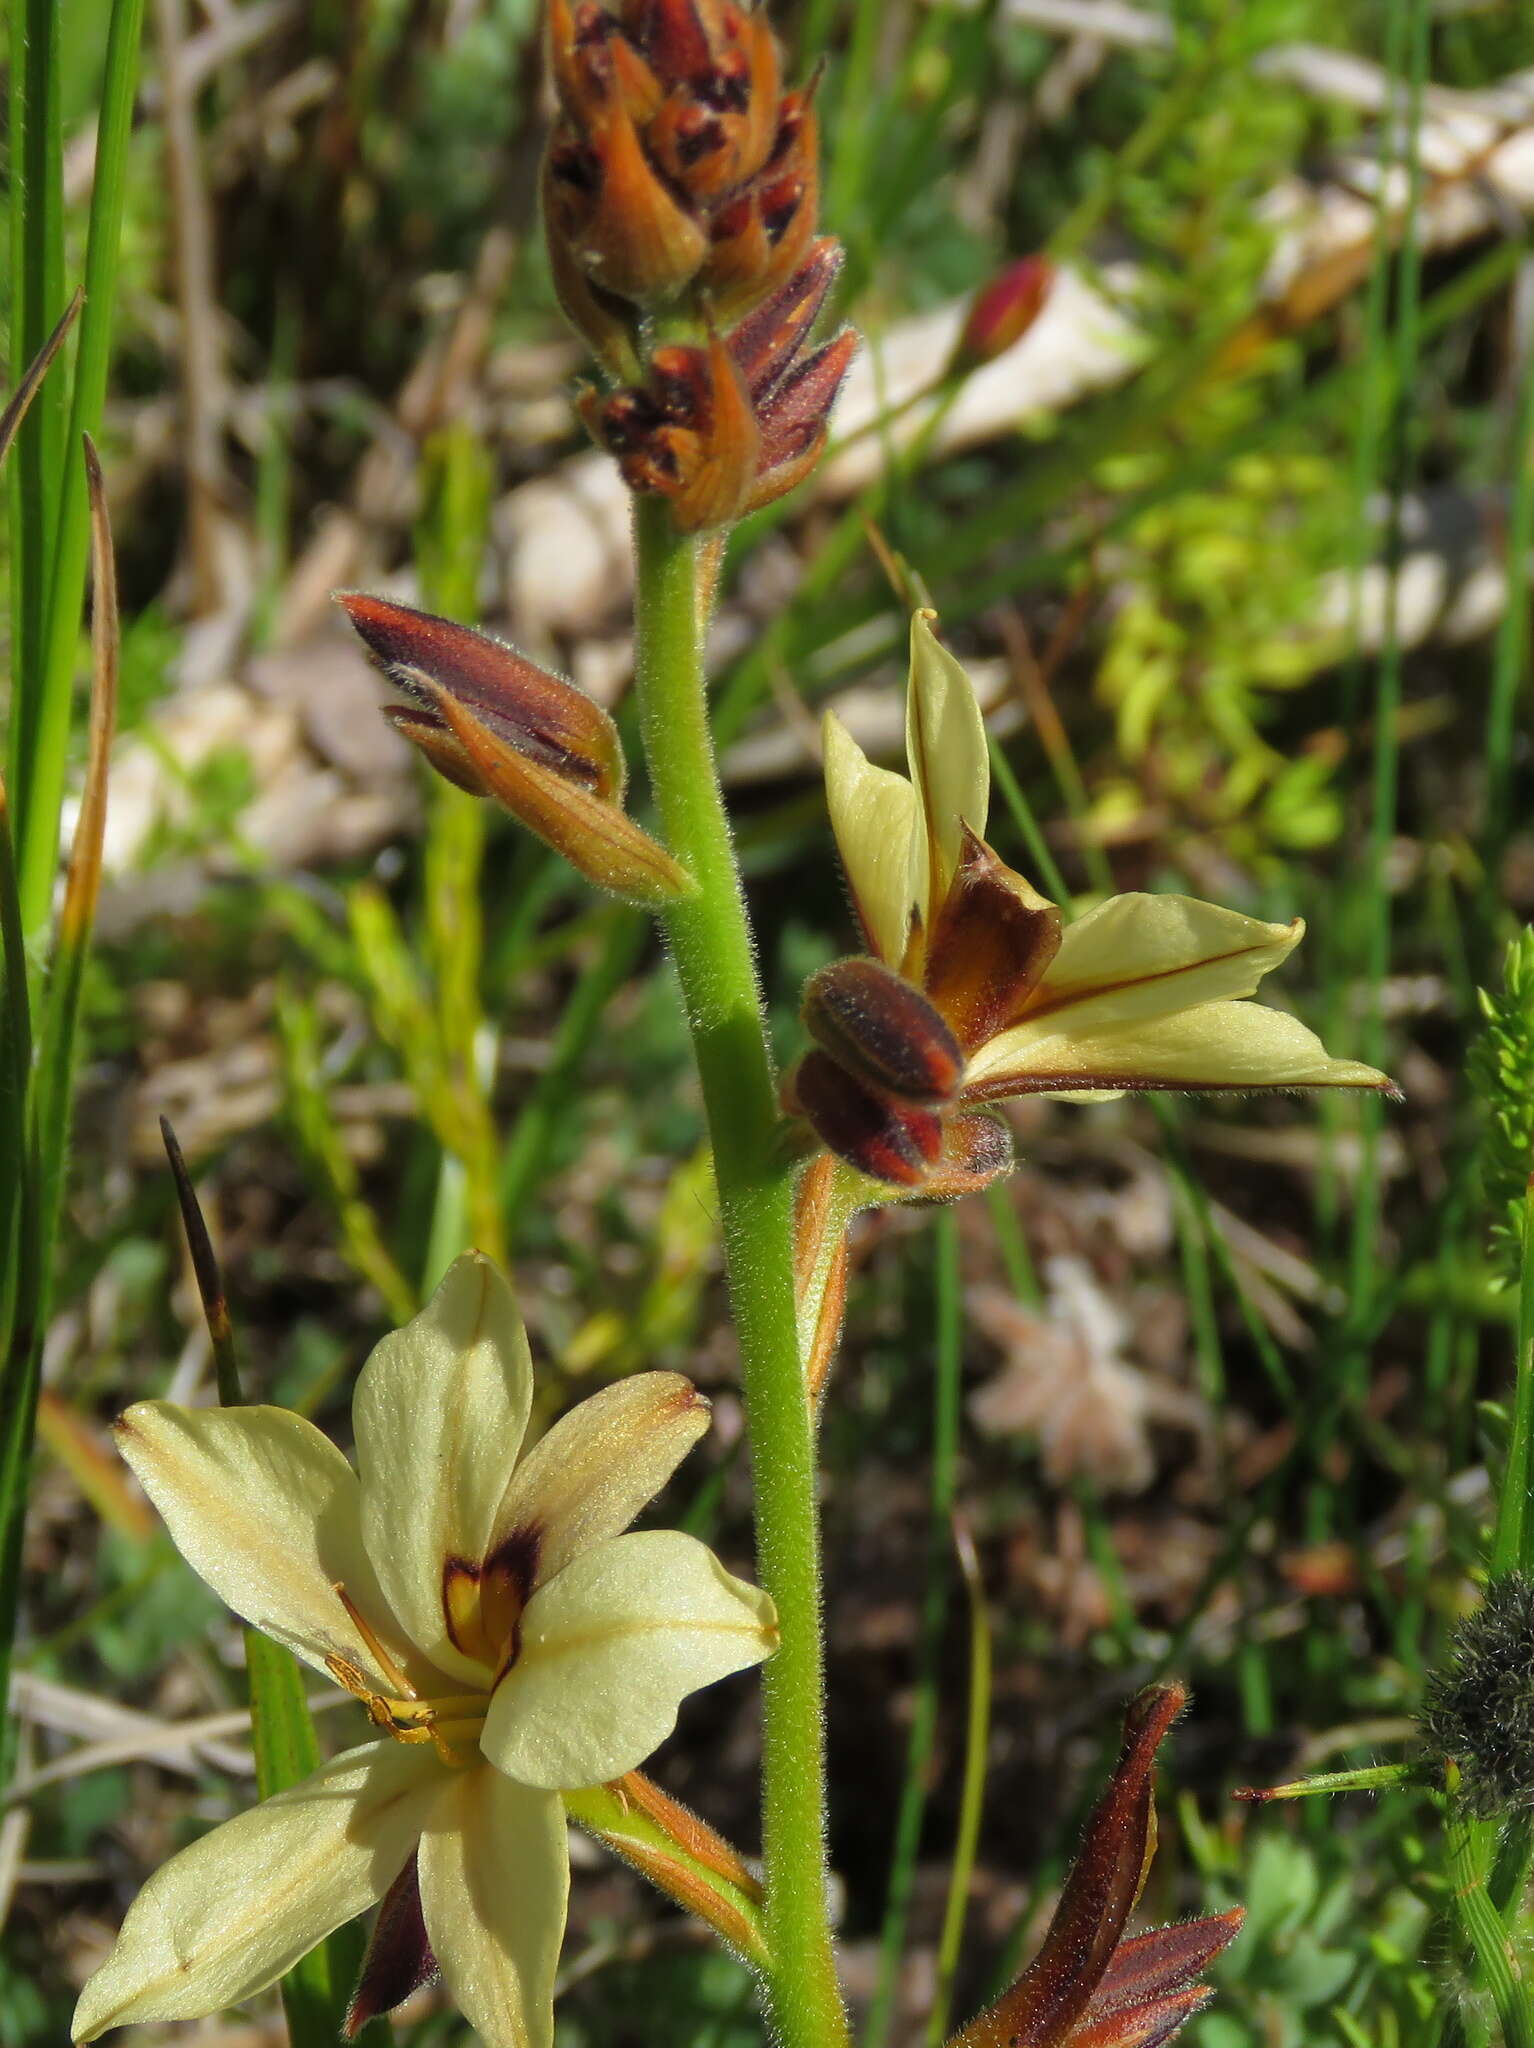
(711, 945)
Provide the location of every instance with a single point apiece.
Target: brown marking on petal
(399, 1959)
(1049, 1999)
(882, 1029)
(992, 941)
(507, 1580)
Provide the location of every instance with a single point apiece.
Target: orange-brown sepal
(399, 1959)
(760, 234)
(991, 942)
(882, 1030)
(891, 1141)
(767, 342)
(688, 433)
(1054, 1994)
(523, 705)
(622, 223)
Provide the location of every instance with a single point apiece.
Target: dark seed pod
(881, 1028)
(887, 1140)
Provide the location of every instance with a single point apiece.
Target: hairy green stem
(711, 944)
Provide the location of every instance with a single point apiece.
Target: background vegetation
(1212, 1389)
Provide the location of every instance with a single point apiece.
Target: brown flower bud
(795, 422)
(767, 342)
(688, 433)
(761, 233)
(888, 1140)
(1003, 311)
(882, 1030)
(499, 726)
(622, 224)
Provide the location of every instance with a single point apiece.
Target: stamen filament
(385, 1662)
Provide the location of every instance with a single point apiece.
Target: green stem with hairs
(711, 944)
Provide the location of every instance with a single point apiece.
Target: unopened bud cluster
(680, 193)
(1478, 1709)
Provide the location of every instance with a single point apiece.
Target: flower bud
(499, 726)
(688, 433)
(759, 236)
(622, 224)
(888, 1140)
(882, 1029)
(1003, 312)
(767, 342)
(1478, 1708)
(795, 422)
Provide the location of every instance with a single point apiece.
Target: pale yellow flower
(975, 989)
(506, 1637)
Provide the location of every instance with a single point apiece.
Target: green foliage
(1501, 1072)
(1221, 590)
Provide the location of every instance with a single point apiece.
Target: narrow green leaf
(45, 734)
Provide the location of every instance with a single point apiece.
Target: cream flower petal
(495, 1879)
(229, 1915)
(950, 762)
(439, 1413)
(597, 1467)
(1136, 957)
(268, 1512)
(874, 820)
(609, 1650)
(1215, 1045)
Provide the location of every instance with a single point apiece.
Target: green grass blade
(54, 1081)
(977, 1735)
(919, 1748)
(46, 733)
(1510, 663)
(1405, 353)
(1512, 1546)
(37, 287)
(18, 1211)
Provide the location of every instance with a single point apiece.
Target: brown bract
(1088, 1987)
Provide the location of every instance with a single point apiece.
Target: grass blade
(971, 1800)
(919, 1748)
(44, 730)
